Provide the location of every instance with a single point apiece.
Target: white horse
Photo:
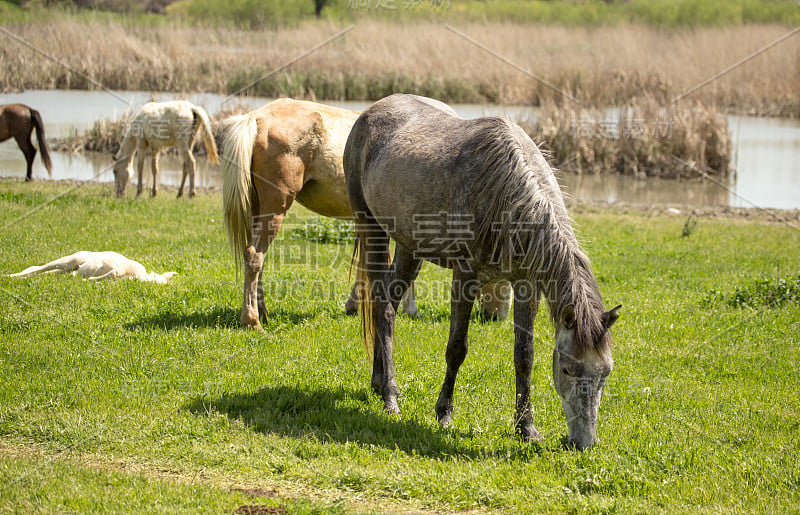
(160, 125)
(98, 265)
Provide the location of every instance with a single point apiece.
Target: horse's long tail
(36, 120)
(365, 297)
(208, 136)
(237, 188)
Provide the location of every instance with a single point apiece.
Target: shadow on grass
(226, 317)
(336, 415)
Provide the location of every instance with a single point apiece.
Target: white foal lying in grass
(98, 265)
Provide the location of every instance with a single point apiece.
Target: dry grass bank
(602, 66)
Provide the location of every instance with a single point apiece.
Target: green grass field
(133, 397)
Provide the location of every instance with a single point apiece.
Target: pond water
(766, 152)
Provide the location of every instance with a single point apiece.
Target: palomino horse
(18, 121)
(502, 215)
(160, 125)
(285, 151)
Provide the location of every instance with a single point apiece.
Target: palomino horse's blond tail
(208, 136)
(237, 157)
(365, 298)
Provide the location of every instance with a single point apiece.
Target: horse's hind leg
(273, 199)
(25, 144)
(265, 229)
(384, 311)
(351, 306)
(62, 265)
(394, 286)
(154, 170)
(462, 297)
(526, 303)
(141, 149)
(405, 269)
(408, 302)
(189, 167)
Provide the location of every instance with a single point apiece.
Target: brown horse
(284, 151)
(18, 121)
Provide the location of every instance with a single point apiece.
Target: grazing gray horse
(476, 196)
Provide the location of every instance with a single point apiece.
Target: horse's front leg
(154, 170)
(462, 297)
(526, 303)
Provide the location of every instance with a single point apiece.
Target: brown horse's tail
(208, 135)
(365, 297)
(36, 120)
(237, 187)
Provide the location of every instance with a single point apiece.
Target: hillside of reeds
(602, 66)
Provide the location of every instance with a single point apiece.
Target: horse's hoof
(391, 407)
(254, 325)
(445, 414)
(530, 433)
(28, 179)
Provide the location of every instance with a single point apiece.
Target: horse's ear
(568, 316)
(611, 316)
(317, 123)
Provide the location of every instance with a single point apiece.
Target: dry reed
(643, 140)
(603, 66)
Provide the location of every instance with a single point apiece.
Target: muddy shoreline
(791, 216)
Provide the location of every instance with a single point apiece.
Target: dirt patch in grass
(170, 472)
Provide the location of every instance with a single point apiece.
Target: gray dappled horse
(410, 159)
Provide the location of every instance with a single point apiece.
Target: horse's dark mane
(527, 223)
